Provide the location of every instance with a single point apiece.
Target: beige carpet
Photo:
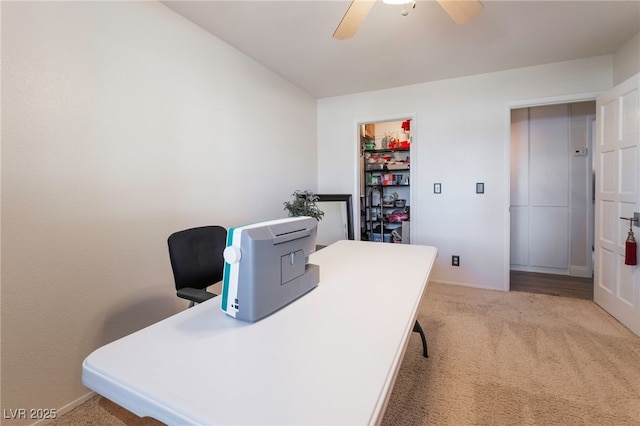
(501, 358)
(496, 358)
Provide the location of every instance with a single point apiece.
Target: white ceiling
(293, 38)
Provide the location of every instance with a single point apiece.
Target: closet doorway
(384, 175)
(552, 199)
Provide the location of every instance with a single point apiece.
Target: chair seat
(195, 295)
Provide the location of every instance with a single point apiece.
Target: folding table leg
(418, 329)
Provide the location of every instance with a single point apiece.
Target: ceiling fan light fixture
(460, 11)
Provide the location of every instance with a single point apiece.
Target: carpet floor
(495, 358)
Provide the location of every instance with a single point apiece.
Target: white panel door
(616, 285)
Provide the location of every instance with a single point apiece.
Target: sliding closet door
(519, 188)
(549, 187)
(540, 189)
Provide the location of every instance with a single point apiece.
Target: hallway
(555, 285)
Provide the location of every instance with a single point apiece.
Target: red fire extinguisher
(631, 247)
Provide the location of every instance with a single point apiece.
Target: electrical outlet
(455, 260)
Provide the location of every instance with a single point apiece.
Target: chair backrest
(196, 256)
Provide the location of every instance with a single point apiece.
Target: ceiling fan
(461, 11)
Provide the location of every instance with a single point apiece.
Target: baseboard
(464, 285)
(540, 270)
(580, 271)
(67, 408)
(573, 271)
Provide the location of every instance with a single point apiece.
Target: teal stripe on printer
(226, 273)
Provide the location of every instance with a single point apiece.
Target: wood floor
(556, 285)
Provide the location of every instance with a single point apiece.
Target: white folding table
(328, 358)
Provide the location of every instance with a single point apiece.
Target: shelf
(382, 184)
(388, 150)
(404, 169)
(388, 206)
(386, 222)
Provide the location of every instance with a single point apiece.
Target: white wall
(626, 61)
(460, 137)
(123, 122)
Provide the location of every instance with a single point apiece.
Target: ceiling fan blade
(461, 11)
(352, 19)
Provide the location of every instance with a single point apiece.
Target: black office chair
(197, 261)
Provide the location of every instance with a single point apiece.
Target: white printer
(267, 266)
